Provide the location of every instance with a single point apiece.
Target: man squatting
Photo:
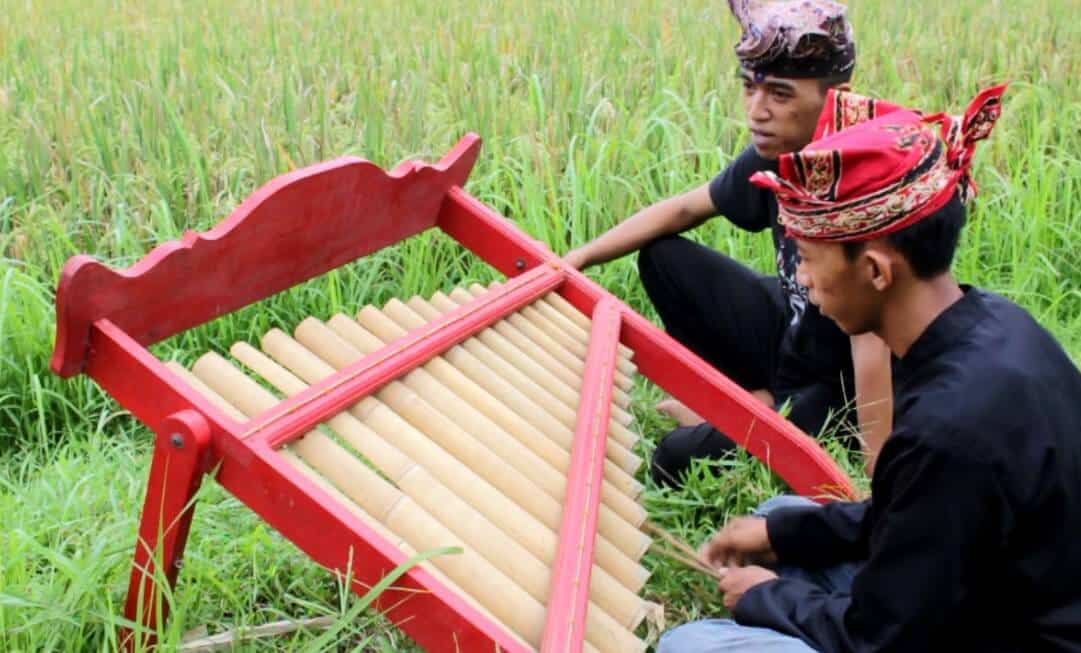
(758, 330)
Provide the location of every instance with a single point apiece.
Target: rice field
(124, 124)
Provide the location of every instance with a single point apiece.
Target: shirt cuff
(771, 604)
(783, 530)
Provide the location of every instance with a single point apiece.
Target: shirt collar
(952, 326)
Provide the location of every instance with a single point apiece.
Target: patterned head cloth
(794, 38)
(875, 168)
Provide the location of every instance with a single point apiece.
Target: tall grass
(123, 124)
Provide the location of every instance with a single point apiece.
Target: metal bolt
(177, 440)
(519, 263)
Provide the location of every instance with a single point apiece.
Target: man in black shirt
(968, 542)
(759, 330)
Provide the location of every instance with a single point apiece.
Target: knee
(694, 637)
(675, 452)
(657, 254)
(722, 635)
(783, 501)
(670, 461)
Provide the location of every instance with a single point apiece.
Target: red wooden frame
(301, 225)
(567, 602)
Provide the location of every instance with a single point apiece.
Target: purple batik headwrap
(794, 38)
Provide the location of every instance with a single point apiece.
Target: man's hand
(576, 258)
(743, 541)
(737, 580)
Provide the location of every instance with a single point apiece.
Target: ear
(880, 268)
(844, 86)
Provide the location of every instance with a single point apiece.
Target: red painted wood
(434, 616)
(181, 455)
(142, 384)
(295, 227)
(492, 237)
(564, 628)
(790, 453)
(297, 415)
(793, 455)
(424, 608)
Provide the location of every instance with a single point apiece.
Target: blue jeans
(726, 636)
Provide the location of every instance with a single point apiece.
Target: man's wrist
(746, 611)
(581, 257)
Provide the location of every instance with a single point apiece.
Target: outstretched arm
(669, 216)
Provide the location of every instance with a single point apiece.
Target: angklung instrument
(493, 419)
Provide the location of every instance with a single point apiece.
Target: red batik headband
(875, 168)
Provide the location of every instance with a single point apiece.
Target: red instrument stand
(304, 224)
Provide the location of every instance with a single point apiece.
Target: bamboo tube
(394, 539)
(463, 445)
(570, 312)
(560, 363)
(506, 415)
(512, 559)
(457, 364)
(557, 384)
(416, 485)
(620, 602)
(602, 630)
(580, 319)
(578, 348)
(390, 508)
(297, 463)
(471, 480)
(555, 397)
(562, 315)
(466, 403)
(619, 488)
(553, 330)
(527, 357)
(230, 410)
(566, 316)
(568, 351)
(487, 369)
(569, 318)
(560, 387)
(213, 397)
(506, 449)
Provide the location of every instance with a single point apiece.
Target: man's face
(781, 112)
(841, 288)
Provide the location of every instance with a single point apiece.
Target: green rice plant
(124, 124)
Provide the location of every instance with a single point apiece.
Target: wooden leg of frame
(181, 457)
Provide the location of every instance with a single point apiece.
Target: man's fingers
(708, 551)
(720, 559)
(709, 546)
(730, 586)
(717, 549)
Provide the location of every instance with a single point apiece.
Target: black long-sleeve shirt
(972, 537)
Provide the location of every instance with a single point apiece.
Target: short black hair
(836, 79)
(928, 245)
